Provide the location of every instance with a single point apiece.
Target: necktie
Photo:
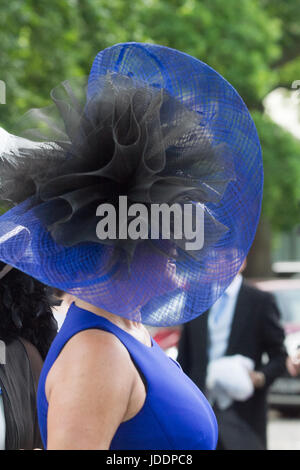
(220, 307)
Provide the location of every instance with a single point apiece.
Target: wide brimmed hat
(151, 126)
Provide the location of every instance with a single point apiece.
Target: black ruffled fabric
(127, 139)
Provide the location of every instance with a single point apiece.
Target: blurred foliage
(254, 44)
(287, 12)
(281, 173)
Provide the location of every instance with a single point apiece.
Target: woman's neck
(122, 322)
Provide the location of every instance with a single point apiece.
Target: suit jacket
(255, 330)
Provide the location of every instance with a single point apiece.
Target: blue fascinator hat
(101, 184)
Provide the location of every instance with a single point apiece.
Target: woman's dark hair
(25, 310)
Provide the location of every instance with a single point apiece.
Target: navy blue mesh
(155, 291)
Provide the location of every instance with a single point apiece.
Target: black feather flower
(128, 139)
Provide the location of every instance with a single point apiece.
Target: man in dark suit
(250, 328)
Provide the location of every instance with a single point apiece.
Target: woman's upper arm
(89, 393)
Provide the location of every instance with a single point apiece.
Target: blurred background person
(293, 364)
(241, 326)
(27, 329)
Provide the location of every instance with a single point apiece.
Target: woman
(157, 130)
(27, 328)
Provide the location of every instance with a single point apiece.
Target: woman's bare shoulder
(91, 353)
(90, 388)
(93, 341)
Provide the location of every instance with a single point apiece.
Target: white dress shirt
(227, 377)
(219, 322)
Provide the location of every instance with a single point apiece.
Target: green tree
(252, 43)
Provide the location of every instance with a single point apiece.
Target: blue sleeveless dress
(175, 415)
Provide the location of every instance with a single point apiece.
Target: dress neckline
(74, 306)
